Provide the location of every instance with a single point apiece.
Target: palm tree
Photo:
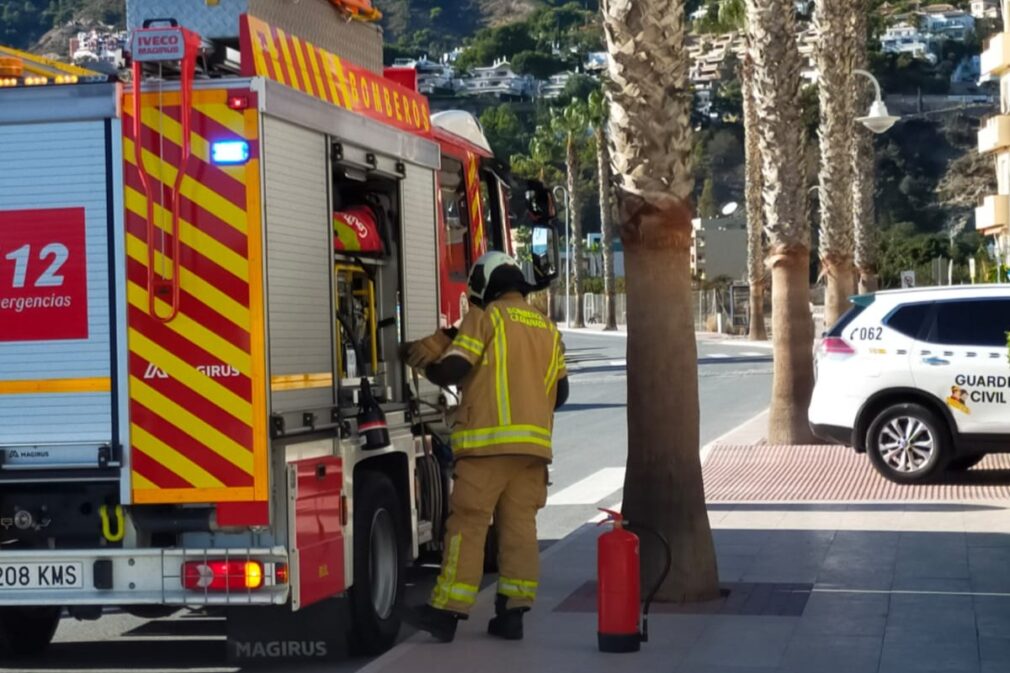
(650, 131)
(773, 52)
(834, 53)
(572, 124)
(863, 166)
(755, 211)
(598, 118)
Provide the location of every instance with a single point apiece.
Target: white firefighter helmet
(486, 266)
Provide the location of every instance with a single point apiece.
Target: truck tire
(27, 631)
(908, 444)
(379, 564)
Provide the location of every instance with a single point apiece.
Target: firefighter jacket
(507, 401)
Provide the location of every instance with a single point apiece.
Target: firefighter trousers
(511, 489)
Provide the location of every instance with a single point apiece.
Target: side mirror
(544, 254)
(539, 202)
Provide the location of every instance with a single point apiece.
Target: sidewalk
(622, 331)
(854, 586)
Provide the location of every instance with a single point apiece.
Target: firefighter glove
(419, 354)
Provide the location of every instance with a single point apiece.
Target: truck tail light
(222, 575)
(836, 346)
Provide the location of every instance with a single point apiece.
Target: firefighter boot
(439, 623)
(506, 623)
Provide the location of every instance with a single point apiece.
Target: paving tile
(926, 655)
(830, 603)
(995, 650)
(989, 569)
(742, 641)
(842, 624)
(914, 604)
(992, 615)
(832, 654)
(941, 584)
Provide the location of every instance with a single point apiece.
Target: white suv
(918, 379)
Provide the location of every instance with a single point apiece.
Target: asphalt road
(590, 451)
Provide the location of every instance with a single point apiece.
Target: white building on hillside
(951, 25)
(905, 38)
(499, 81)
(985, 9)
(555, 85)
(432, 78)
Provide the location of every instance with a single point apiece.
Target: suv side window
(909, 319)
(975, 322)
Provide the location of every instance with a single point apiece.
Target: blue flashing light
(229, 152)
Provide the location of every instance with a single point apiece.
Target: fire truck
(205, 274)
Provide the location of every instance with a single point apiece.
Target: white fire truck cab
(204, 278)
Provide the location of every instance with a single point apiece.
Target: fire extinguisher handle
(616, 517)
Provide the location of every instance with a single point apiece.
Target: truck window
(974, 322)
(490, 199)
(455, 219)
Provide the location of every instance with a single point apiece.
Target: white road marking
(592, 489)
(716, 355)
(618, 363)
(752, 354)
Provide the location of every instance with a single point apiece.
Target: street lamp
(568, 253)
(877, 119)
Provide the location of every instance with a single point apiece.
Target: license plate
(17, 576)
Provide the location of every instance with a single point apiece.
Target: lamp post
(877, 119)
(568, 253)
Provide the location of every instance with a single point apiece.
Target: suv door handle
(935, 362)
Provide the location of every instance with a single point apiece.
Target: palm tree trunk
(864, 168)
(755, 215)
(575, 215)
(606, 229)
(650, 131)
(771, 46)
(835, 53)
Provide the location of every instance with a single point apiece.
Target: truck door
(60, 303)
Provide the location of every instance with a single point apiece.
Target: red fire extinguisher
(623, 623)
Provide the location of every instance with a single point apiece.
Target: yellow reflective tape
(501, 381)
(289, 63)
(303, 70)
(513, 588)
(193, 425)
(516, 434)
(469, 344)
(301, 381)
(193, 284)
(194, 332)
(191, 235)
(189, 376)
(172, 460)
(440, 594)
(142, 484)
(337, 65)
(196, 192)
(98, 384)
(552, 371)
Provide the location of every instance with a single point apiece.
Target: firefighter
(508, 360)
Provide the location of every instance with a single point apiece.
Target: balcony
(996, 56)
(994, 134)
(993, 216)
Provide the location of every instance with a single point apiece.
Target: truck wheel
(378, 565)
(27, 631)
(963, 463)
(908, 444)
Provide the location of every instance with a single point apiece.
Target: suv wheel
(908, 443)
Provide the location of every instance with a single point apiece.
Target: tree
(707, 206)
(505, 131)
(650, 134)
(598, 118)
(571, 123)
(755, 212)
(834, 54)
(540, 65)
(493, 43)
(772, 49)
(864, 170)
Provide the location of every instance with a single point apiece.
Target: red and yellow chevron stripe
(197, 398)
(272, 53)
(473, 198)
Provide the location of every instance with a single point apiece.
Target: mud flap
(270, 634)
